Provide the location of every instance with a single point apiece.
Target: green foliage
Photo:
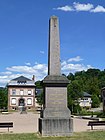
(76, 109)
(74, 93)
(95, 101)
(38, 84)
(84, 112)
(3, 98)
(74, 89)
(101, 115)
(93, 72)
(94, 135)
(70, 76)
(40, 98)
(90, 81)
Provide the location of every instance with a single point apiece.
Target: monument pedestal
(56, 117)
(56, 126)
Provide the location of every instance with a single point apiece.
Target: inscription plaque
(55, 97)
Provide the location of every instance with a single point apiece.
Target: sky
(24, 27)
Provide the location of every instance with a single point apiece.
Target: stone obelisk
(54, 47)
(55, 118)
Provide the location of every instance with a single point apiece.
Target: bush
(101, 115)
(84, 112)
(95, 101)
(76, 109)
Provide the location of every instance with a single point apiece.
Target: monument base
(56, 126)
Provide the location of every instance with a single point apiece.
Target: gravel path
(23, 123)
(28, 123)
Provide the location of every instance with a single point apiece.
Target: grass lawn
(95, 135)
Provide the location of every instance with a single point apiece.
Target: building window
(13, 101)
(21, 92)
(29, 101)
(85, 99)
(13, 91)
(29, 92)
(21, 82)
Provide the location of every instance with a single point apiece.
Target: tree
(74, 89)
(40, 98)
(95, 101)
(3, 98)
(70, 76)
(74, 93)
(38, 84)
(93, 72)
(90, 81)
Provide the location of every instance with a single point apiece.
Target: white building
(21, 93)
(86, 101)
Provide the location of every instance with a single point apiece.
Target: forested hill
(90, 81)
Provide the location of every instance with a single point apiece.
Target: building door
(21, 102)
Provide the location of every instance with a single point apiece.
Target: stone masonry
(55, 118)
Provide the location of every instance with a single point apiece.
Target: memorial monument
(56, 118)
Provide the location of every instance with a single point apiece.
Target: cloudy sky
(24, 36)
